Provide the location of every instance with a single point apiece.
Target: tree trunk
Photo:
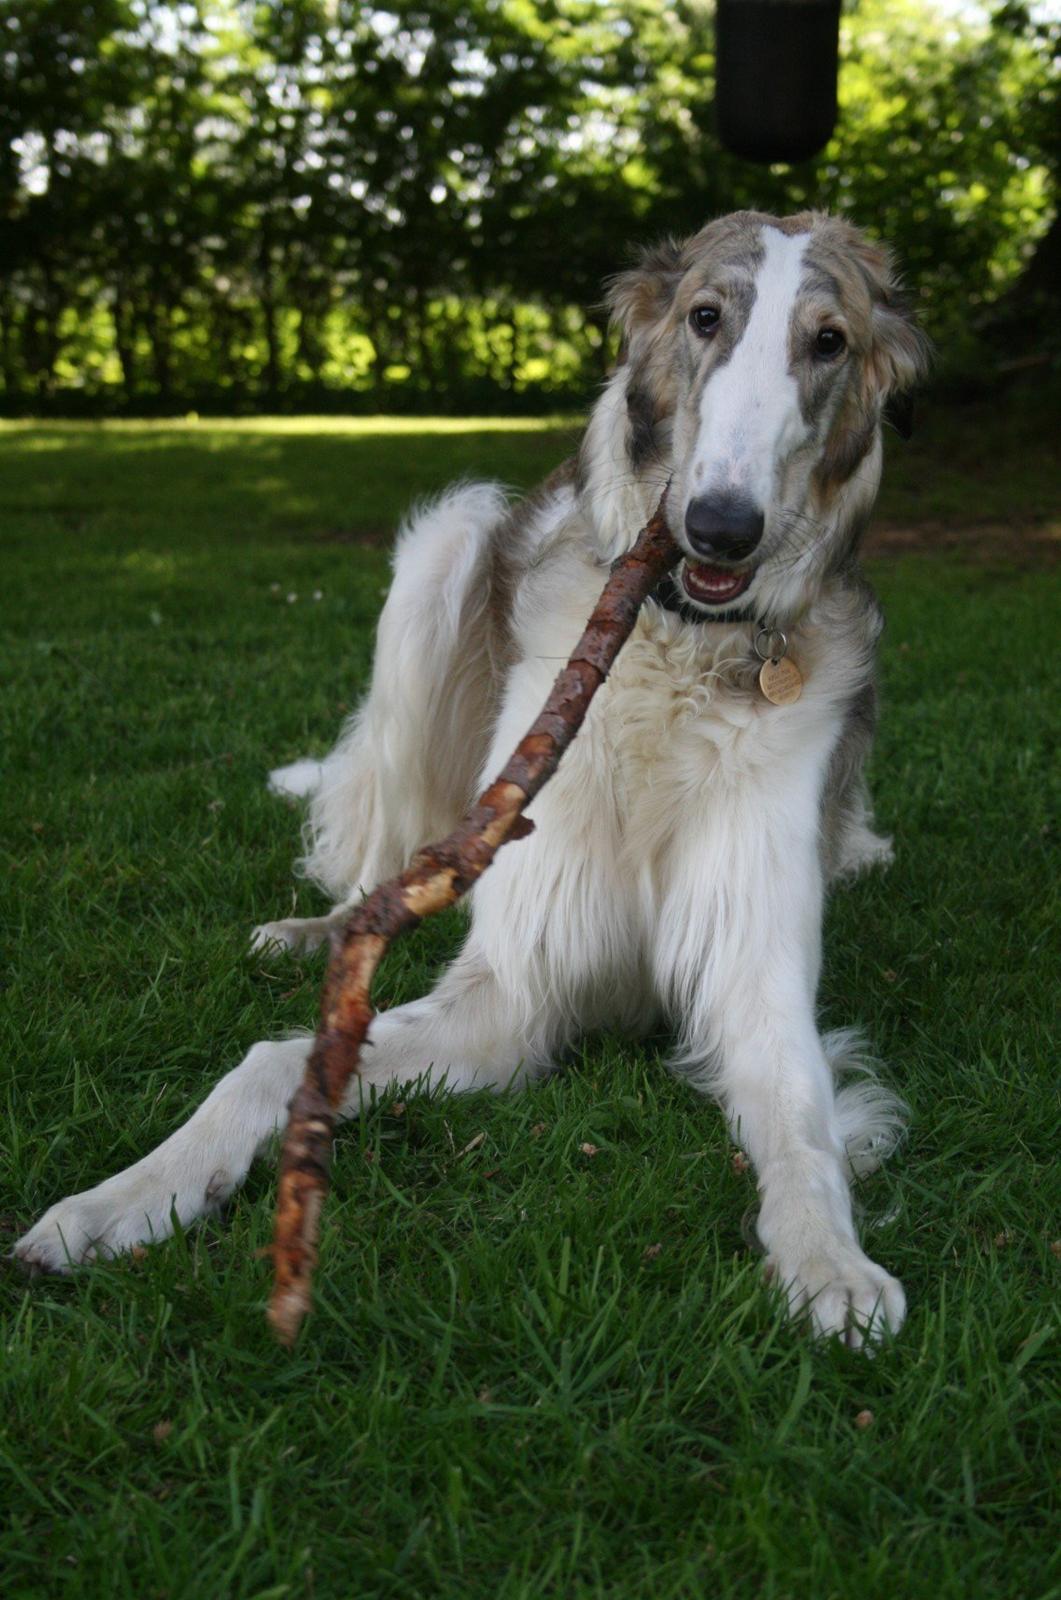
(425, 355)
(42, 326)
(272, 347)
(159, 334)
(8, 366)
(270, 320)
(124, 341)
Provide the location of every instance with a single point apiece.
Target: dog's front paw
(70, 1233)
(134, 1207)
(845, 1294)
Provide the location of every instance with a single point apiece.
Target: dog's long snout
(723, 527)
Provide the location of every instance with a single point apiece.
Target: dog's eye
(829, 343)
(705, 320)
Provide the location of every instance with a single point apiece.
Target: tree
(256, 201)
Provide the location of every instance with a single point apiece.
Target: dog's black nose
(723, 527)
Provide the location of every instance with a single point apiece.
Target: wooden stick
(436, 877)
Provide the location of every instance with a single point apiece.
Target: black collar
(668, 594)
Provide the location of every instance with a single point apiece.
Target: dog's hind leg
(297, 933)
(859, 847)
(849, 841)
(405, 767)
(298, 780)
(462, 1035)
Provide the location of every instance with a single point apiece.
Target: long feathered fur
(681, 855)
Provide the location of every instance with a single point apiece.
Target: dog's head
(757, 359)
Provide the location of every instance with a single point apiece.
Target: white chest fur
(681, 751)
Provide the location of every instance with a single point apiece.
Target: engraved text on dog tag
(780, 680)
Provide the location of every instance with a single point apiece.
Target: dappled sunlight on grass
(150, 563)
(221, 484)
(318, 426)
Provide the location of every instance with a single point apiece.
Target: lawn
(532, 1372)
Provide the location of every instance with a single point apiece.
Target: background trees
(230, 203)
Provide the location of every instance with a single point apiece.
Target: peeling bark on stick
(436, 877)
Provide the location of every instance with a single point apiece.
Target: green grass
(992, 460)
(507, 1390)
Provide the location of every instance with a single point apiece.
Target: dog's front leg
(778, 1091)
(751, 1037)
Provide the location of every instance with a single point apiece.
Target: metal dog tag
(780, 680)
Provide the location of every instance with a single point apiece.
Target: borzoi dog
(678, 868)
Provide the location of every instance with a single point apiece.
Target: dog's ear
(901, 353)
(640, 298)
(640, 301)
(899, 414)
(628, 432)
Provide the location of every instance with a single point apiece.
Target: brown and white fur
(681, 855)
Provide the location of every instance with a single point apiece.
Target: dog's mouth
(713, 586)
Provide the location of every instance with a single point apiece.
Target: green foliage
(532, 1375)
(244, 203)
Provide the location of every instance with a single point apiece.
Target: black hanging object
(775, 71)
